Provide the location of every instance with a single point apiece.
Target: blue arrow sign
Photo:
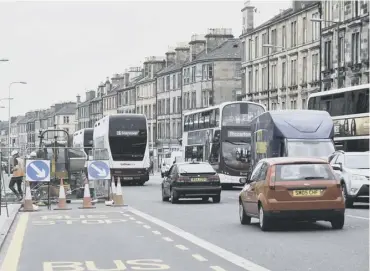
(38, 170)
(98, 170)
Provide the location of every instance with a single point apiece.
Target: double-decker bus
(349, 108)
(221, 135)
(83, 139)
(125, 137)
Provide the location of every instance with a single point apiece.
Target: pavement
(153, 235)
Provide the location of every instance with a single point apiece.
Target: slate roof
(171, 68)
(67, 109)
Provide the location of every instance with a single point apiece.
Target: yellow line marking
(139, 222)
(217, 268)
(168, 239)
(146, 226)
(181, 247)
(156, 232)
(199, 257)
(13, 253)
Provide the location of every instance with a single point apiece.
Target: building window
(168, 106)
(264, 41)
(341, 52)
(264, 78)
(293, 72)
(256, 47)
(256, 81)
(355, 48)
(250, 81)
(250, 49)
(173, 135)
(194, 99)
(273, 40)
(168, 83)
(186, 76)
(316, 27)
(283, 37)
(178, 104)
(193, 74)
(327, 55)
(304, 70)
(66, 120)
(315, 67)
(173, 104)
(273, 76)
(174, 81)
(283, 74)
(207, 71)
(293, 37)
(356, 9)
(304, 25)
(243, 52)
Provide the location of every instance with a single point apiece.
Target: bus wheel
(141, 183)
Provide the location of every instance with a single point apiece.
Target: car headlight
(358, 178)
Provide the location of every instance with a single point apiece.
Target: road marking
(218, 251)
(181, 247)
(146, 226)
(127, 215)
(139, 222)
(359, 217)
(156, 232)
(132, 218)
(11, 259)
(168, 239)
(199, 257)
(217, 268)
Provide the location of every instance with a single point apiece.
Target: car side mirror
(337, 167)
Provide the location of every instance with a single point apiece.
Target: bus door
(194, 153)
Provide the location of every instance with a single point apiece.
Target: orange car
(291, 188)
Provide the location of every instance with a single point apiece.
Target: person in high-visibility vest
(18, 174)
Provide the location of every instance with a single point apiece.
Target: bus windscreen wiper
(239, 142)
(136, 144)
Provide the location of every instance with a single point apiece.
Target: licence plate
(306, 193)
(198, 179)
(128, 178)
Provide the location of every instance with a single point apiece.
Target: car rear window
(297, 172)
(196, 168)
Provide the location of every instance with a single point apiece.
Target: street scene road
(153, 235)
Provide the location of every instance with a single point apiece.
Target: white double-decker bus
(83, 139)
(221, 135)
(349, 108)
(125, 137)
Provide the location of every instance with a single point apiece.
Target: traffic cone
(112, 195)
(28, 205)
(118, 202)
(86, 204)
(62, 202)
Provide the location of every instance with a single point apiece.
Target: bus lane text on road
(95, 219)
(116, 265)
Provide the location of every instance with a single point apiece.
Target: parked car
(291, 188)
(191, 180)
(352, 169)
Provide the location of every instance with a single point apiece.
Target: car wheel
(337, 223)
(265, 223)
(347, 201)
(205, 199)
(216, 199)
(164, 197)
(244, 218)
(174, 197)
(141, 183)
(162, 175)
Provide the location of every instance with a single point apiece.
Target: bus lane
(96, 241)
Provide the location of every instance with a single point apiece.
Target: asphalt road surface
(155, 235)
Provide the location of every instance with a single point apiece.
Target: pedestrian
(152, 167)
(18, 174)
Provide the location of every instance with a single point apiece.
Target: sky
(62, 49)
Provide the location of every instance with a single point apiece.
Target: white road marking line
(146, 226)
(139, 222)
(181, 247)
(132, 218)
(199, 257)
(359, 217)
(218, 251)
(127, 215)
(156, 232)
(217, 268)
(168, 239)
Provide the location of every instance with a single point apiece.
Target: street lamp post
(268, 69)
(9, 119)
(337, 24)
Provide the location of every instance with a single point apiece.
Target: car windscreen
(360, 161)
(301, 172)
(201, 168)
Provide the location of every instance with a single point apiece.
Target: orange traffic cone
(86, 204)
(28, 205)
(62, 202)
(118, 202)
